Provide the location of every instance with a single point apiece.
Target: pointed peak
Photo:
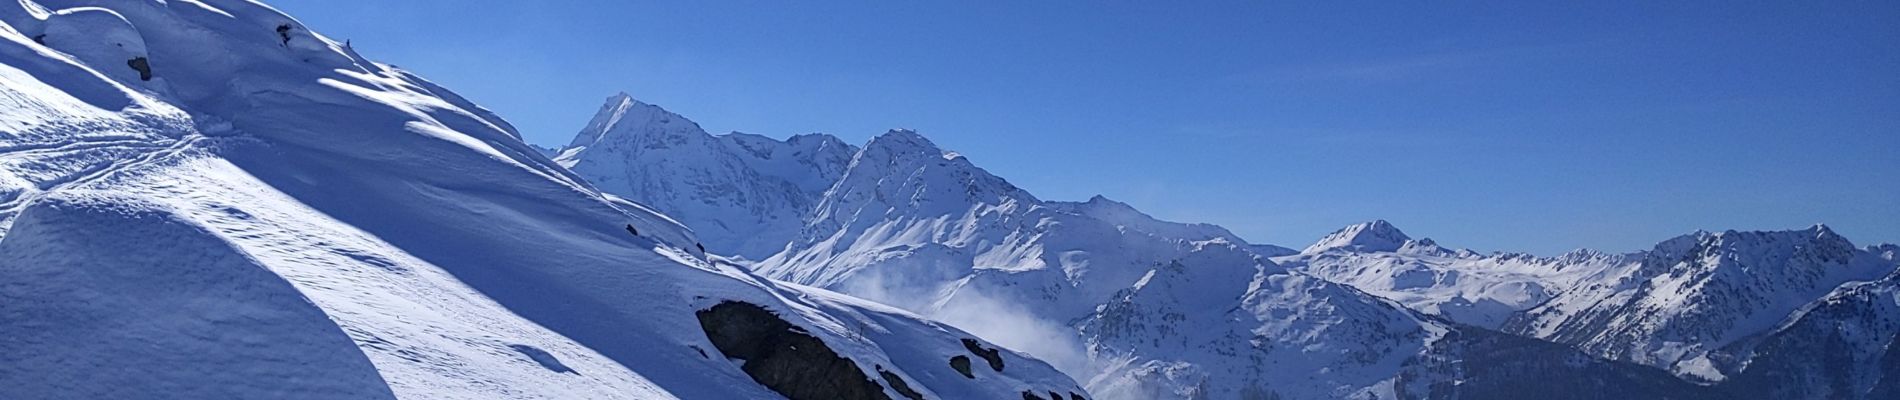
(1827, 237)
(640, 121)
(1101, 204)
(621, 98)
(1374, 236)
(1104, 200)
(904, 141)
(1822, 231)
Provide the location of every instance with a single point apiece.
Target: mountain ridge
(1120, 300)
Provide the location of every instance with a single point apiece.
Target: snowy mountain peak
(1377, 235)
(623, 119)
(621, 97)
(903, 141)
(742, 193)
(1824, 234)
(1817, 241)
(1103, 202)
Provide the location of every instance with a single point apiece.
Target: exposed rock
(897, 383)
(1028, 395)
(962, 365)
(994, 356)
(142, 66)
(784, 357)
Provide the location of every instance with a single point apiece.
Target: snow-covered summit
(639, 124)
(1376, 235)
(743, 194)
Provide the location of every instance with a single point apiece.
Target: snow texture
(271, 215)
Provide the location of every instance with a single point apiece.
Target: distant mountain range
(206, 199)
(1140, 308)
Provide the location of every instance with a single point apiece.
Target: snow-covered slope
(1847, 345)
(1461, 285)
(204, 199)
(746, 195)
(1137, 307)
(908, 218)
(1698, 293)
(1371, 236)
(1703, 306)
(1222, 331)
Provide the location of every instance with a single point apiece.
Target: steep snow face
(268, 215)
(743, 194)
(1370, 236)
(1699, 293)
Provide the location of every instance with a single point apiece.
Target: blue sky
(1494, 126)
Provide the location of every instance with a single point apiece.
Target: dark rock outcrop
(962, 365)
(898, 384)
(785, 357)
(994, 356)
(142, 66)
